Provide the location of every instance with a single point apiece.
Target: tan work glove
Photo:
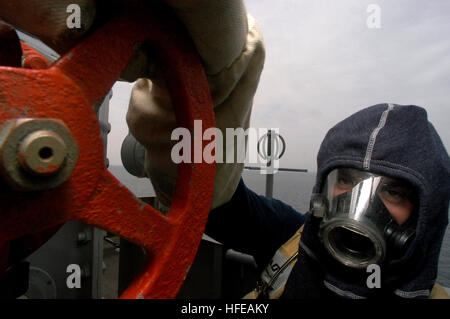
(232, 51)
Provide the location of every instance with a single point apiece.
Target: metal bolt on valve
(42, 153)
(36, 154)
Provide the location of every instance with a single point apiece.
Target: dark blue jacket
(253, 224)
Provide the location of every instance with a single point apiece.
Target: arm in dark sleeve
(253, 224)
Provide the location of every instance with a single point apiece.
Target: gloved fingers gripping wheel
(66, 92)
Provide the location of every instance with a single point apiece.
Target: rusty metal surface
(67, 91)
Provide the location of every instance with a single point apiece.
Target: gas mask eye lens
(346, 179)
(354, 228)
(344, 184)
(394, 195)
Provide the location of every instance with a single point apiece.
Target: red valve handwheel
(67, 91)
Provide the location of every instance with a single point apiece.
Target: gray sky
(323, 64)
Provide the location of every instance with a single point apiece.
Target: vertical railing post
(269, 176)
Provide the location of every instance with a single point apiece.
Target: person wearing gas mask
(381, 198)
(382, 189)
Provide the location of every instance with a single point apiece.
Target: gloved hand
(231, 47)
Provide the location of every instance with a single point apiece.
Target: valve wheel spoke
(115, 209)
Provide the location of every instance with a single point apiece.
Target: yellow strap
(438, 292)
(289, 249)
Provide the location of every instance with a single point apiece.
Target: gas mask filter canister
(358, 226)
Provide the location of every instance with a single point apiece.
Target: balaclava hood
(396, 141)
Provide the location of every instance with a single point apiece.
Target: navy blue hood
(397, 141)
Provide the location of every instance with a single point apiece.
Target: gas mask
(360, 214)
